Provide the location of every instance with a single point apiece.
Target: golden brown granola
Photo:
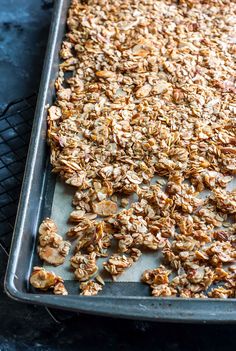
(59, 289)
(44, 280)
(116, 264)
(90, 288)
(52, 248)
(84, 265)
(143, 92)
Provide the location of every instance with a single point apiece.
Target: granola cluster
(44, 280)
(52, 248)
(146, 89)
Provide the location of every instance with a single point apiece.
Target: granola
(90, 288)
(44, 280)
(84, 266)
(116, 264)
(52, 248)
(59, 289)
(143, 92)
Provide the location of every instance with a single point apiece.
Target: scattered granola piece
(54, 113)
(54, 255)
(116, 264)
(44, 280)
(47, 227)
(84, 265)
(76, 215)
(156, 276)
(80, 229)
(163, 290)
(135, 254)
(90, 288)
(52, 248)
(59, 289)
(221, 293)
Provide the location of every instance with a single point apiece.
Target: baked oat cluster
(44, 280)
(146, 89)
(52, 248)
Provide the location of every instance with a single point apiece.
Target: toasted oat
(84, 225)
(105, 74)
(77, 215)
(54, 113)
(99, 279)
(105, 208)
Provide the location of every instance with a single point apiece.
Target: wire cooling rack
(15, 128)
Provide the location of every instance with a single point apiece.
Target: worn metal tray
(41, 191)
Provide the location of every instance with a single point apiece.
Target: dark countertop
(23, 36)
(24, 28)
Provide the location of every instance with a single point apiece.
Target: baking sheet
(35, 204)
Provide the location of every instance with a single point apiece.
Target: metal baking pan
(41, 193)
